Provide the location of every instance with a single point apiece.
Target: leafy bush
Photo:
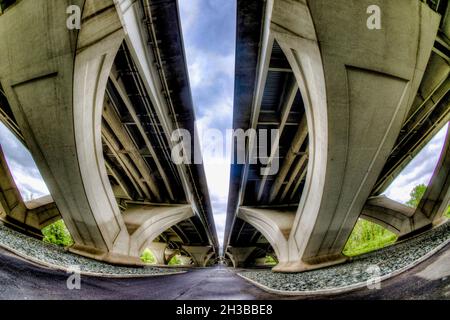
(366, 237)
(175, 261)
(57, 233)
(416, 194)
(270, 260)
(148, 257)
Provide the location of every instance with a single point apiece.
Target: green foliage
(148, 257)
(416, 194)
(270, 260)
(175, 261)
(366, 237)
(58, 234)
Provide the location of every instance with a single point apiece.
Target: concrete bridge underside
(353, 106)
(96, 108)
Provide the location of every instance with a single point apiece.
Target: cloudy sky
(209, 28)
(209, 35)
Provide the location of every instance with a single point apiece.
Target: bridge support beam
(146, 222)
(199, 254)
(30, 217)
(170, 253)
(57, 96)
(239, 255)
(274, 225)
(404, 220)
(436, 199)
(208, 258)
(396, 217)
(357, 85)
(159, 252)
(260, 262)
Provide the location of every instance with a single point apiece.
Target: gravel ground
(355, 271)
(51, 254)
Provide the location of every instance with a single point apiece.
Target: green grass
(366, 237)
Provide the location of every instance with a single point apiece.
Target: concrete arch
(274, 225)
(436, 198)
(158, 250)
(146, 222)
(65, 80)
(404, 220)
(230, 256)
(395, 217)
(208, 258)
(172, 254)
(341, 89)
(199, 254)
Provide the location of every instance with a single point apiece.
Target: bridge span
(352, 106)
(96, 107)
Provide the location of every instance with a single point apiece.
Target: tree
(58, 234)
(416, 194)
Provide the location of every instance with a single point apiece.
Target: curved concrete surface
(20, 279)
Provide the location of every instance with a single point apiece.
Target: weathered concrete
(57, 95)
(57, 98)
(394, 216)
(436, 199)
(199, 254)
(239, 255)
(274, 224)
(347, 150)
(146, 222)
(357, 87)
(404, 220)
(158, 249)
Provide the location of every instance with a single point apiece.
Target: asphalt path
(20, 279)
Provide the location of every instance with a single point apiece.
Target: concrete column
(158, 249)
(198, 254)
(231, 258)
(55, 80)
(260, 262)
(29, 217)
(274, 225)
(185, 260)
(357, 85)
(239, 255)
(396, 217)
(436, 198)
(208, 258)
(170, 253)
(404, 220)
(146, 222)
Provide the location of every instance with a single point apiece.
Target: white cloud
(419, 170)
(22, 167)
(205, 68)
